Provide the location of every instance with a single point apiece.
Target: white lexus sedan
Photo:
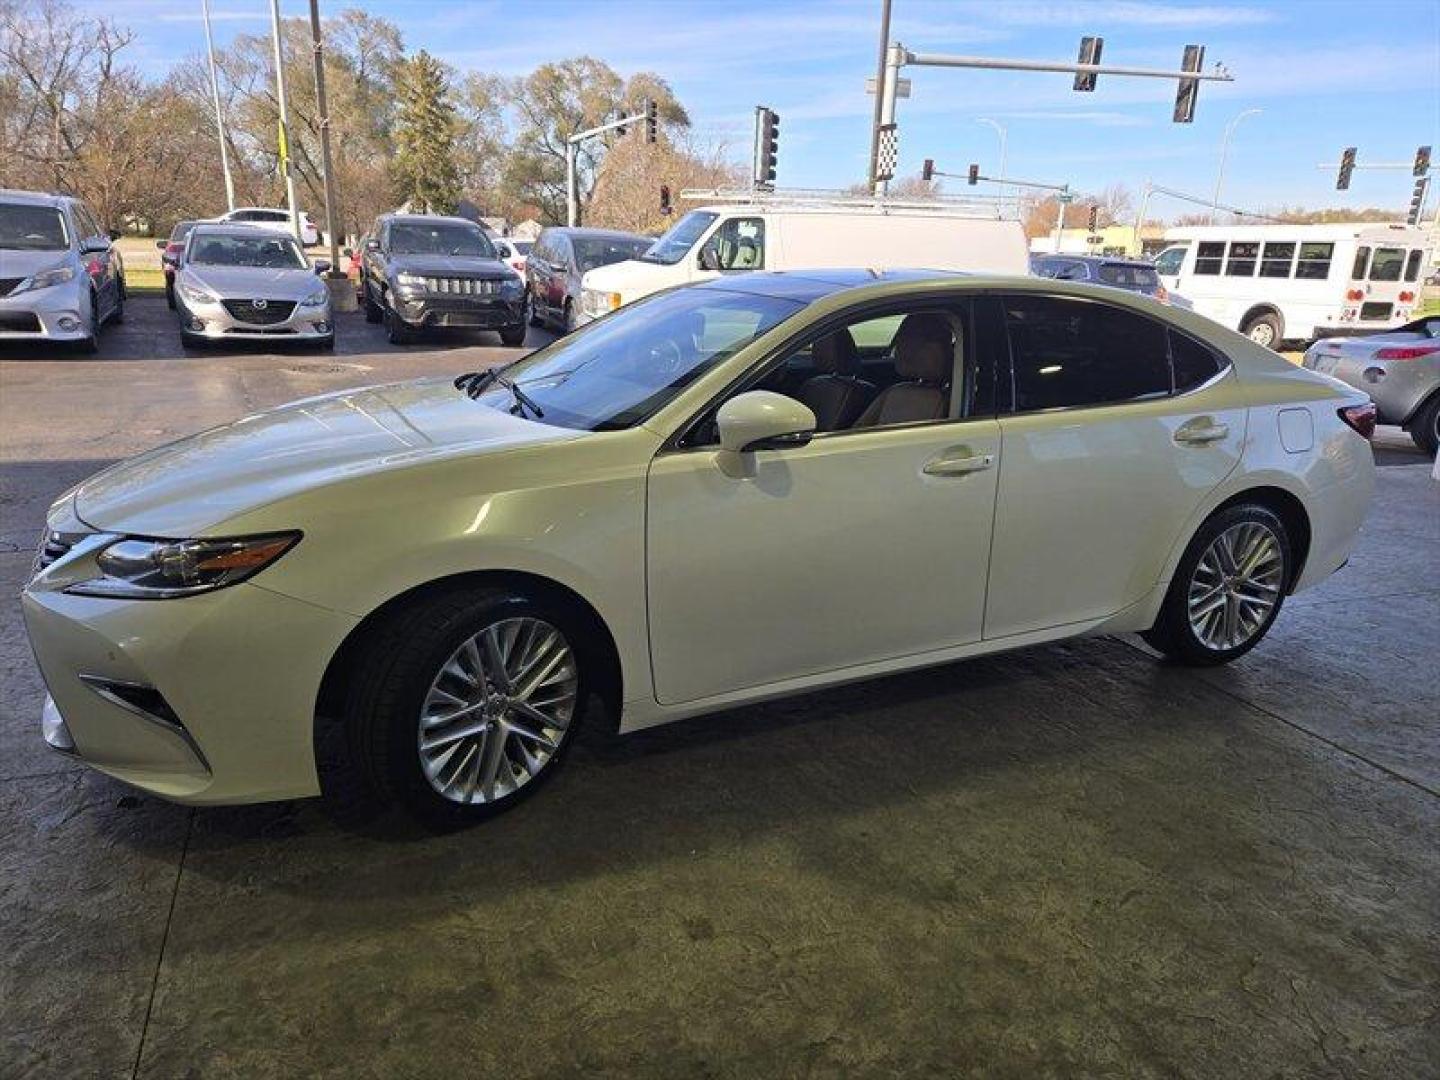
(749, 488)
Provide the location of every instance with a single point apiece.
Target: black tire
(118, 315)
(1264, 329)
(513, 336)
(326, 344)
(191, 341)
(90, 344)
(1425, 426)
(1172, 633)
(170, 293)
(393, 673)
(535, 319)
(567, 320)
(374, 313)
(396, 330)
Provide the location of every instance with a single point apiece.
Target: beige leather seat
(837, 396)
(925, 349)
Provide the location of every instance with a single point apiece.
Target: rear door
(1119, 428)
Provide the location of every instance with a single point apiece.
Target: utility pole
(219, 117)
(1224, 152)
(284, 140)
(325, 162)
(875, 183)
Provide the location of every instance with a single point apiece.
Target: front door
(866, 545)
(1121, 428)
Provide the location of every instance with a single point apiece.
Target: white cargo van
(716, 240)
(1299, 282)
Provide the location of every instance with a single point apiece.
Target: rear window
(1314, 261)
(1387, 264)
(1130, 277)
(1208, 257)
(31, 228)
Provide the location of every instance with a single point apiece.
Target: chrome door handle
(1194, 434)
(958, 466)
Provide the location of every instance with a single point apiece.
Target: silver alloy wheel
(1235, 586)
(1262, 333)
(498, 710)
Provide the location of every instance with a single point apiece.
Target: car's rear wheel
(118, 315)
(535, 319)
(1264, 329)
(567, 325)
(465, 703)
(170, 293)
(1227, 589)
(1425, 428)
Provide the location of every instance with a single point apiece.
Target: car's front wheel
(513, 336)
(464, 703)
(1227, 590)
(396, 329)
(373, 311)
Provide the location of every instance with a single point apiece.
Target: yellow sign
(284, 145)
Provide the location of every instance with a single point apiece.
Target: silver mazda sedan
(237, 283)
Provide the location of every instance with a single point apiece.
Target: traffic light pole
(648, 117)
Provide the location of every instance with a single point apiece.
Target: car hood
(631, 278)
(291, 283)
(448, 266)
(21, 264)
(192, 485)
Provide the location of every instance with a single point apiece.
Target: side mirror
(114, 234)
(322, 266)
(709, 258)
(347, 252)
(94, 245)
(162, 244)
(763, 420)
(372, 245)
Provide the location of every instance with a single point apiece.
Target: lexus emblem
(259, 305)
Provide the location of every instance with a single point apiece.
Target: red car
(170, 256)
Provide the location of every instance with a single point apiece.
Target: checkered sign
(888, 153)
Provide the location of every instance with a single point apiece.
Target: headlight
(410, 281)
(196, 295)
(316, 299)
(165, 569)
(596, 302)
(45, 278)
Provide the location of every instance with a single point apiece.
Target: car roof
(1098, 260)
(34, 198)
(599, 234)
(234, 228)
(449, 219)
(808, 285)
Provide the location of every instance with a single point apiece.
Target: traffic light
(652, 120)
(1347, 166)
(1089, 54)
(1094, 216)
(768, 152)
(927, 171)
(1422, 161)
(665, 199)
(1417, 201)
(1189, 89)
(974, 175)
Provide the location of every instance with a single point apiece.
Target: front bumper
(474, 313)
(207, 699)
(217, 322)
(59, 313)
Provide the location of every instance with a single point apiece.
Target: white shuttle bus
(1297, 282)
(778, 234)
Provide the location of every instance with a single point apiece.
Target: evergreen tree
(424, 166)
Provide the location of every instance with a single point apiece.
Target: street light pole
(219, 117)
(1224, 152)
(284, 141)
(999, 130)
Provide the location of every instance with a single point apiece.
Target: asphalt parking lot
(1066, 861)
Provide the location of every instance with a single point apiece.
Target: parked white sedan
(736, 491)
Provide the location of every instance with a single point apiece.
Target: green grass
(1429, 307)
(144, 279)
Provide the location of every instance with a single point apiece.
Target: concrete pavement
(1071, 860)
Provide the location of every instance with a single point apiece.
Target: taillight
(1360, 419)
(1355, 294)
(1407, 352)
(1406, 297)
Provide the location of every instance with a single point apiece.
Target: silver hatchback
(240, 283)
(1399, 369)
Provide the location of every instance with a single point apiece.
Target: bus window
(1314, 262)
(1241, 262)
(1387, 264)
(1277, 259)
(1208, 256)
(1362, 256)
(1412, 265)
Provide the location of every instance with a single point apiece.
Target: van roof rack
(818, 200)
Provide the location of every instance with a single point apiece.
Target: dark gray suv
(1134, 275)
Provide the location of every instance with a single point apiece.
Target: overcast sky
(1327, 75)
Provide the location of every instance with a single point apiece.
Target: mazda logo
(259, 305)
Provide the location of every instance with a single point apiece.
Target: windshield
(619, 370)
(591, 251)
(31, 228)
(268, 251)
(1129, 277)
(671, 247)
(439, 238)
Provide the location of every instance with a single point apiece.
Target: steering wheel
(663, 356)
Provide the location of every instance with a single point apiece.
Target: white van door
(737, 245)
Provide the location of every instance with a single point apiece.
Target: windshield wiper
(475, 383)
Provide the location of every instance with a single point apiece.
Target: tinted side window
(1277, 260)
(1412, 265)
(1362, 257)
(1208, 256)
(1314, 261)
(1068, 353)
(1193, 363)
(1241, 262)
